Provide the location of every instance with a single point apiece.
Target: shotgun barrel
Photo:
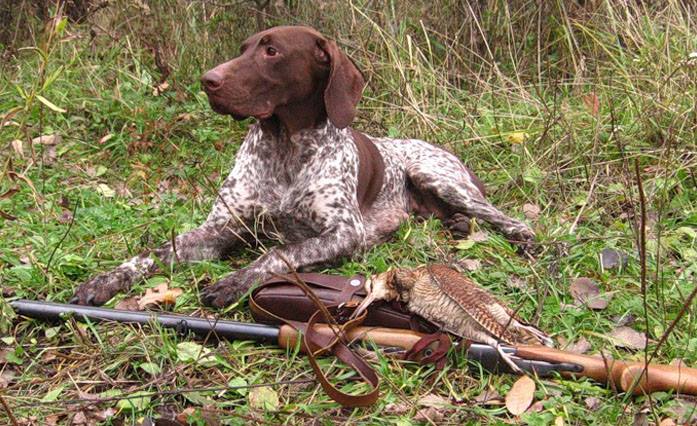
(284, 336)
(230, 330)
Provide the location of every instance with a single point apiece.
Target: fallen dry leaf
(105, 138)
(210, 417)
(629, 338)
(626, 319)
(515, 281)
(479, 236)
(51, 420)
(592, 403)
(471, 264)
(50, 154)
(586, 292)
(434, 401)
(531, 211)
(667, 422)
(130, 304)
(520, 396)
(536, 407)
(684, 410)
(397, 408)
(611, 259)
(54, 139)
(160, 294)
(429, 414)
(18, 147)
(581, 346)
(79, 418)
(157, 90)
(592, 103)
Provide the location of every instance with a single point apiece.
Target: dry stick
(642, 262)
(8, 411)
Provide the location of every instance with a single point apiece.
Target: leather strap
(339, 348)
(430, 349)
(317, 344)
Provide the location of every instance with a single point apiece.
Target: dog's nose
(212, 80)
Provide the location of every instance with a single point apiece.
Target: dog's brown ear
(345, 85)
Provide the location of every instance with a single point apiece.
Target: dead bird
(442, 295)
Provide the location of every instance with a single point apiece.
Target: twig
(8, 411)
(642, 263)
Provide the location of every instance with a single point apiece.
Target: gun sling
(284, 300)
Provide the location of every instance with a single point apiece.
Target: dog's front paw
(101, 288)
(524, 238)
(225, 292)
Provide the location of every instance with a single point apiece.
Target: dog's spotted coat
(301, 190)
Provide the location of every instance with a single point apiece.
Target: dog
(303, 177)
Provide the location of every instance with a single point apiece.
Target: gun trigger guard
(182, 328)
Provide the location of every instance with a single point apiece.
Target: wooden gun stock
(388, 337)
(623, 375)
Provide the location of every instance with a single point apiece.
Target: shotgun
(542, 361)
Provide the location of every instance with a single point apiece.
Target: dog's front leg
(323, 249)
(209, 241)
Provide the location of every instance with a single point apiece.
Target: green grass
(135, 167)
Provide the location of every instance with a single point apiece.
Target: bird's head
(378, 287)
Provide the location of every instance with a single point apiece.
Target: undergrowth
(552, 104)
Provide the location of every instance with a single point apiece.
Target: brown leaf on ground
(667, 422)
(629, 338)
(208, 416)
(515, 281)
(54, 139)
(592, 103)
(51, 420)
(479, 236)
(536, 407)
(531, 211)
(471, 264)
(65, 217)
(130, 304)
(586, 292)
(429, 414)
(397, 408)
(581, 346)
(160, 294)
(519, 398)
(6, 377)
(79, 418)
(592, 403)
(684, 410)
(434, 401)
(18, 147)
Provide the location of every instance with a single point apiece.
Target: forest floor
(106, 151)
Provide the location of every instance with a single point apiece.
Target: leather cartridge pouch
(285, 300)
(281, 297)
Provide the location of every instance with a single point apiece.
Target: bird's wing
(481, 306)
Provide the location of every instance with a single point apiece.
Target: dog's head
(282, 67)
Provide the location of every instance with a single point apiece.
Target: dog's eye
(271, 51)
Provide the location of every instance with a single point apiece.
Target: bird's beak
(363, 306)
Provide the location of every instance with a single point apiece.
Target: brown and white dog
(303, 177)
